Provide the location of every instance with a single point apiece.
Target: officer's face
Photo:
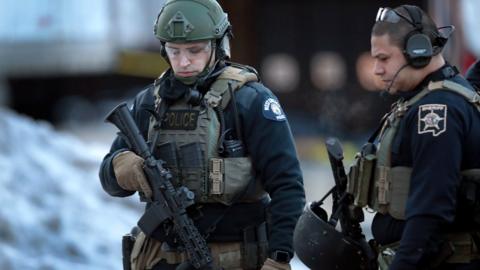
(389, 59)
(189, 59)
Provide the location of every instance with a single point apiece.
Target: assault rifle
(167, 203)
(343, 210)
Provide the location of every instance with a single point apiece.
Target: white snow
(53, 211)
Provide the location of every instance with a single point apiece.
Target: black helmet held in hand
(320, 246)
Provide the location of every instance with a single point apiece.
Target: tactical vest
(188, 141)
(374, 183)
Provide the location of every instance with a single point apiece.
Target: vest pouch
(237, 174)
(380, 195)
(193, 170)
(353, 172)
(167, 152)
(360, 178)
(400, 182)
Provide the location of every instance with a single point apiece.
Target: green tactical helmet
(182, 21)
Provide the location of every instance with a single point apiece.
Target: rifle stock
(168, 203)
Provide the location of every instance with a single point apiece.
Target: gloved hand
(270, 264)
(128, 169)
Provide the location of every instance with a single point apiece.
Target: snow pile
(53, 211)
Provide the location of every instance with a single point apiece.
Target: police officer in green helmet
(224, 136)
(197, 28)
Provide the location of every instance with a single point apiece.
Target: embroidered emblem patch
(432, 118)
(272, 110)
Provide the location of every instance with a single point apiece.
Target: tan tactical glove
(128, 169)
(270, 264)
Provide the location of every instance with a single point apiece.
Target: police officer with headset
(425, 185)
(420, 171)
(224, 136)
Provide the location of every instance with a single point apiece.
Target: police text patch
(180, 120)
(432, 118)
(272, 110)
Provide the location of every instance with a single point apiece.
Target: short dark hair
(399, 30)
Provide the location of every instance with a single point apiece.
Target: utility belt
(459, 248)
(141, 252)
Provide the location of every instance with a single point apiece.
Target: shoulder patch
(432, 118)
(273, 111)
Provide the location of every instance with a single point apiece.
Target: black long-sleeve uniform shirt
(269, 142)
(437, 155)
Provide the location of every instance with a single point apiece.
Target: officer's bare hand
(270, 264)
(128, 169)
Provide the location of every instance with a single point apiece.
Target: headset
(419, 48)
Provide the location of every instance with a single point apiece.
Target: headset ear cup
(418, 50)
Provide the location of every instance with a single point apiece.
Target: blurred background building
(64, 60)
